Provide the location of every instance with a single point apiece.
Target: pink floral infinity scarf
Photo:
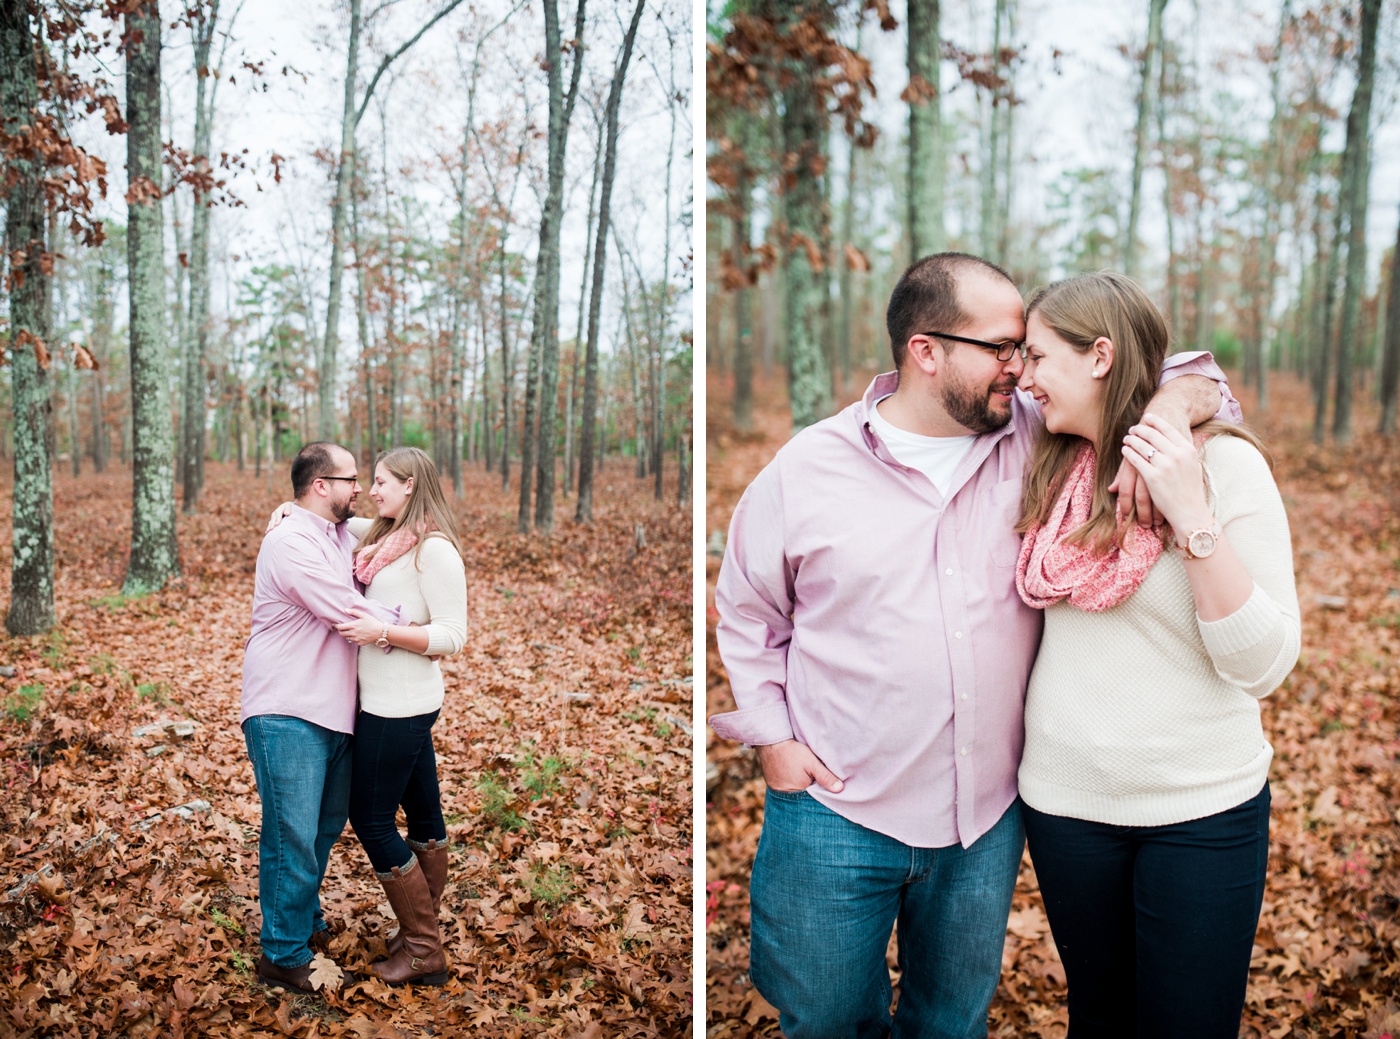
(373, 558)
(1049, 570)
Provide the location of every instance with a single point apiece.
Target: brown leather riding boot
(432, 859)
(420, 958)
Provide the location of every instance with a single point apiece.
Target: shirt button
(957, 634)
(949, 571)
(963, 752)
(964, 696)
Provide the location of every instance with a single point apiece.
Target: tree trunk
(683, 467)
(344, 178)
(507, 366)
(804, 124)
(1268, 239)
(1145, 108)
(1355, 195)
(584, 510)
(365, 336)
(743, 294)
(639, 439)
(31, 569)
(925, 166)
(1390, 363)
(545, 333)
(154, 556)
(197, 327)
(991, 155)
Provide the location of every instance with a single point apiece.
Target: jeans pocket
(789, 795)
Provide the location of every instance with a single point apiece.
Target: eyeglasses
(1004, 351)
(347, 479)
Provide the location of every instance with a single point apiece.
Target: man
(879, 654)
(299, 699)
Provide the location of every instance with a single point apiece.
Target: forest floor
(564, 751)
(1327, 955)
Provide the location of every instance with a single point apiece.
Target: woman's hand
(285, 509)
(1167, 461)
(362, 630)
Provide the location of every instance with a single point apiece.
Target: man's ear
(925, 353)
(1103, 356)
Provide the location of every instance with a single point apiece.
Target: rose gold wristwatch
(383, 641)
(1201, 542)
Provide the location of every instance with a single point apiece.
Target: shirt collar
(331, 528)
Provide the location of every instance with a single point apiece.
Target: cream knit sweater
(401, 683)
(1145, 715)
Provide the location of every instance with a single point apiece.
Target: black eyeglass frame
(347, 479)
(998, 348)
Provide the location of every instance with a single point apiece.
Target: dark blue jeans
(825, 895)
(1155, 924)
(394, 765)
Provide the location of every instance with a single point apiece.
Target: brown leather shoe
(432, 859)
(298, 979)
(420, 958)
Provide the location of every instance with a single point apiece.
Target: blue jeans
(825, 895)
(303, 775)
(1155, 924)
(394, 765)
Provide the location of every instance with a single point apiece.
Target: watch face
(1202, 543)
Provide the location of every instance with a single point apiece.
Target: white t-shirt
(936, 457)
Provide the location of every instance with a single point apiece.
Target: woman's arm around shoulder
(443, 581)
(1255, 646)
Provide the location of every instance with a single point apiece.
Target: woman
(1144, 774)
(411, 557)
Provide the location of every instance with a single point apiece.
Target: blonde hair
(1080, 310)
(425, 510)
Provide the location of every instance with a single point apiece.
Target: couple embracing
(342, 603)
(1030, 589)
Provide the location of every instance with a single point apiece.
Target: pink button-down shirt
(294, 662)
(875, 620)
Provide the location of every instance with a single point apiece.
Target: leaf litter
(567, 906)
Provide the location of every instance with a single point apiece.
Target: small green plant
(633, 653)
(55, 651)
(102, 664)
(663, 729)
(112, 603)
(242, 962)
(541, 778)
(227, 922)
(157, 692)
(640, 714)
(24, 702)
(551, 885)
(496, 800)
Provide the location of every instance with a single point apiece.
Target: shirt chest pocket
(997, 522)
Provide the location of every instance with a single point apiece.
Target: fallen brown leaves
(564, 756)
(1327, 955)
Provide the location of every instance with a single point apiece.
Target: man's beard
(972, 408)
(342, 511)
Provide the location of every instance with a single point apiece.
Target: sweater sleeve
(1255, 647)
(443, 581)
